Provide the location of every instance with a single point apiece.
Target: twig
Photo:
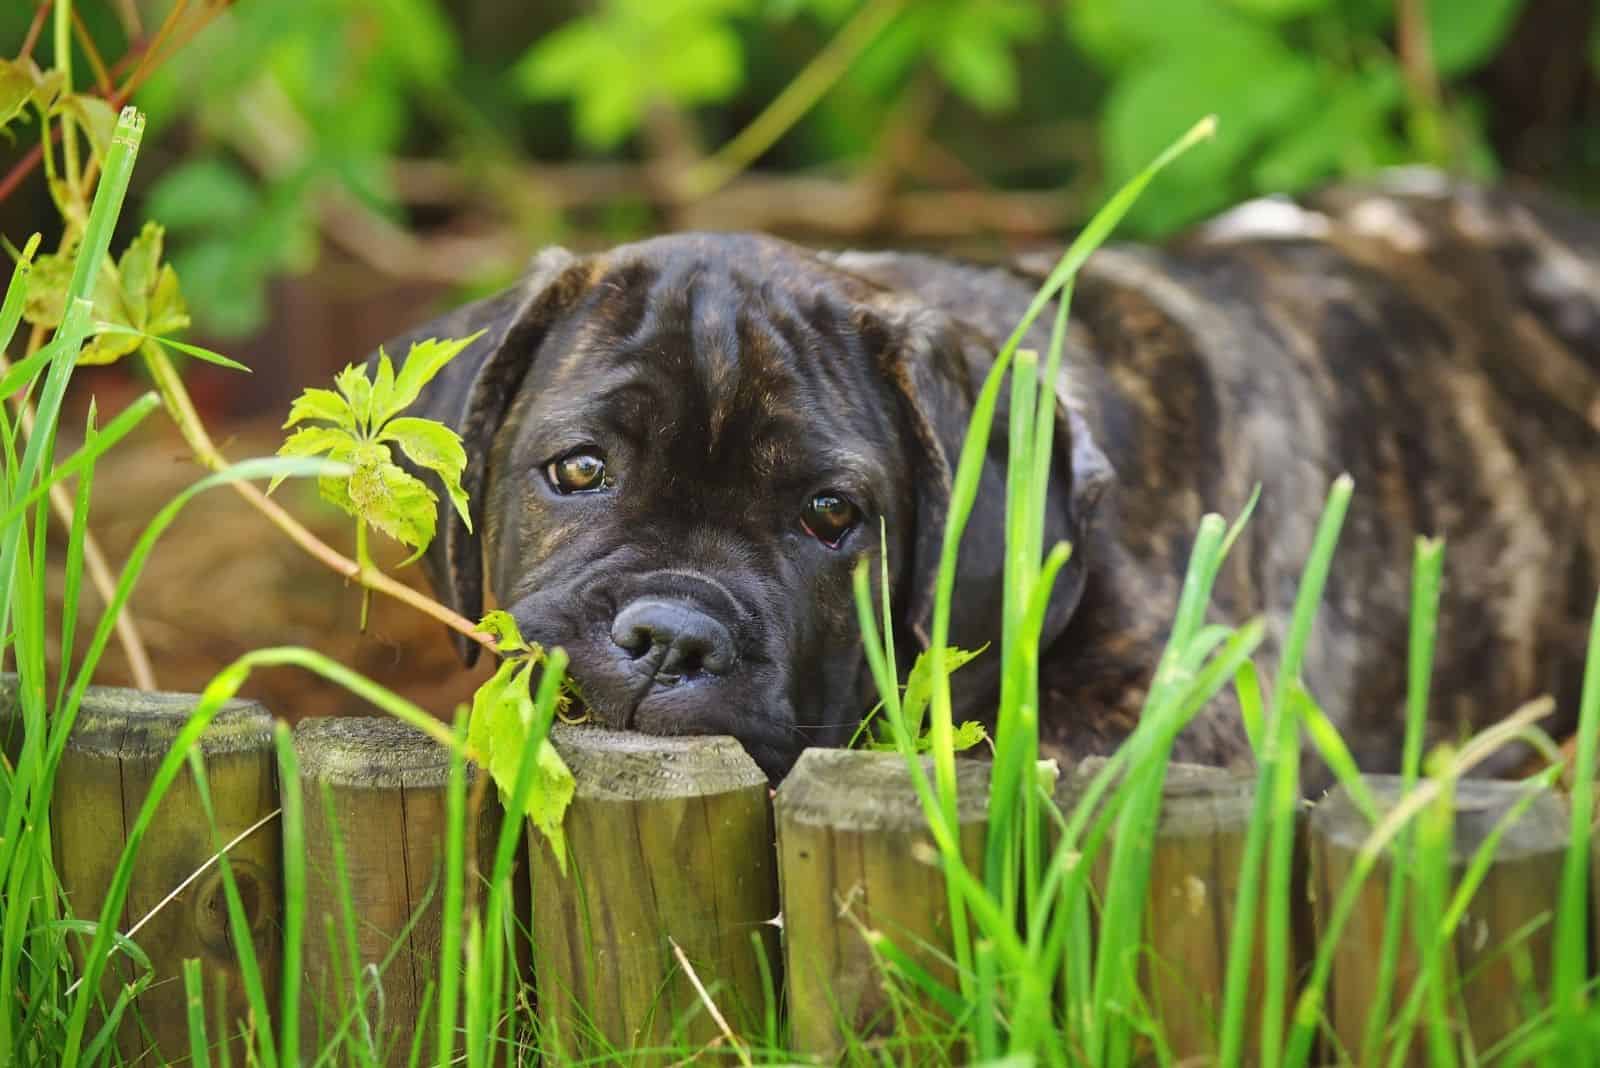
(34, 28)
(102, 77)
(128, 14)
(189, 879)
(711, 1006)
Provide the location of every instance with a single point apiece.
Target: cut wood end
(869, 790)
(612, 765)
(376, 752)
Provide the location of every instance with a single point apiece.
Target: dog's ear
(936, 366)
(471, 395)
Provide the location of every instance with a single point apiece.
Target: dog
(679, 449)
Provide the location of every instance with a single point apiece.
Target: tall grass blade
(1572, 917)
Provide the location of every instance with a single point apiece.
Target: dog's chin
(759, 718)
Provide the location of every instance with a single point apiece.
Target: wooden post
(669, 840)
(1505, 937)
(854, 854)
(1195, 860)
(119, 740)
(386, 785)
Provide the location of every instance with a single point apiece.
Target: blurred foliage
(279, 105)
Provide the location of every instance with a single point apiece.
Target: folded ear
(937, 366)
(471, 395)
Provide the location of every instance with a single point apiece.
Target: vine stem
(182, 410)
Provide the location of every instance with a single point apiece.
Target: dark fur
(1440, 344)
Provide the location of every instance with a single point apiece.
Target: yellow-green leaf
(140, 268)
(168, 311)
(16, 88)
(919, 683)
(969, 734)
(393, 501)
(357, 389)
(500, 730)
(322, 404)
(47, 288)
(430, 444)
(382, 389)
(503, 626)
(108, 346)
(424, 360)
(313, 441)
(96, 117)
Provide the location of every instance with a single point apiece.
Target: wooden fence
(679, 853)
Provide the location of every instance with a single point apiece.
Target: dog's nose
(687, 640)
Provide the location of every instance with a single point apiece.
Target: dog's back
(1439, 342)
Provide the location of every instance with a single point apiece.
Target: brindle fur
(1440, 343)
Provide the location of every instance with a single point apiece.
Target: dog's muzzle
(673, 640)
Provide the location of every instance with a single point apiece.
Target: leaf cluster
(360, 424)
(503, 724)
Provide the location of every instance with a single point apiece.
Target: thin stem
(183, 413)
(70, 173)
(100, 576)
(789, 106)
(102, 77)
(34, 29)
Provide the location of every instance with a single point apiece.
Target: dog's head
(679, 450)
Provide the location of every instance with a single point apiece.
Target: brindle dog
(680, 448)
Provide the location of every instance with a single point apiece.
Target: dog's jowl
(680, 448)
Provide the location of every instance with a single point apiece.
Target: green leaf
(139, 269)
(205, 192)
(200, 353)
(614, 63)
(313, 440)
(424, 361)
(1279, 9)
(979, 68)
(507, 636)
(322, 404)
(967, 735)
(1465, 33)
(391, 500)
(97, 118)
(500, 730)
(168, 311)
(16, 89)
(357, 389)
(430, 444)
(919, 682)
(382, 389)
(47, 288)
(1258, 89)
(110, 343)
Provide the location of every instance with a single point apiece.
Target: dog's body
(1440, 344)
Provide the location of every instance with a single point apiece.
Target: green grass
(1049, 967)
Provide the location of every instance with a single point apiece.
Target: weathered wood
(1194, 880)
(667, 839)
(854, 854)
(1505, 938)
(386, 785)
(119, 740)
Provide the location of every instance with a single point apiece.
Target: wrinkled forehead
(735, 351)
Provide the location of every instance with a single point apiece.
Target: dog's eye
(578, 472)
(829, 517)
